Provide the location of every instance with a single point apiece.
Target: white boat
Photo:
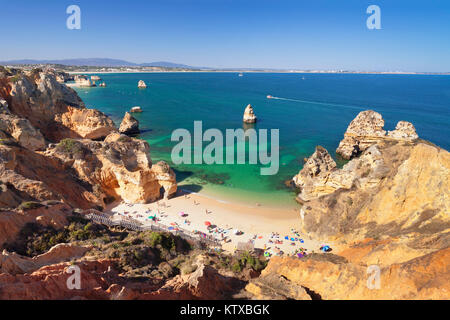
(269, 97)
(241, 74)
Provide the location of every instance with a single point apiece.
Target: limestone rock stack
(141, 84)
(249, 115)
(404, 131)
(367, 129)
(316, 170)
(129, 125)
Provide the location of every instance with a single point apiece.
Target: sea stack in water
(249, 115)
(141, 84)
(129, 125)
(367, 129)
(136, 109)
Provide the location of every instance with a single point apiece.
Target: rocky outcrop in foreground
(14, 263)
(119, 165)
(331, 277)
(367, 129)
(50, 213)
(387, 207)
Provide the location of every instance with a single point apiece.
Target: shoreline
(262, 222)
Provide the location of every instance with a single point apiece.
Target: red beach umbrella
(207, 223)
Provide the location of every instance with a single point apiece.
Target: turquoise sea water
(315, 110)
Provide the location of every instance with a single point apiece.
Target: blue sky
(305, 34)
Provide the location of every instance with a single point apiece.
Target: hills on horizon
(99, 62)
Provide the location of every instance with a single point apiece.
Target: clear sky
(301, 34)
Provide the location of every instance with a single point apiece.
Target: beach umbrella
(171, 228)
(207, 223)
(182, 214)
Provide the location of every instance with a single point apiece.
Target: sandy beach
(266, 227)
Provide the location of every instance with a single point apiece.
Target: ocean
(313, 109)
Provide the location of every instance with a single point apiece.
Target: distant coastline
(178, 68)
(266, 71)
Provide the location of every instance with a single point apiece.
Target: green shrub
(15, 78)
(236, 267)
(70, 147)
(188, 268)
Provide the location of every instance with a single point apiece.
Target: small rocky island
(249, 115)
(129, 125)
(136, 109)
(142, 84)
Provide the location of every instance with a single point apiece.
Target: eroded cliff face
(388, 206)
(37, 109)
(102, 281)
(46, 214)
(331, 277)
(393, 189)
(367, 129)
(31, 176)
(53, 108)
(120, 166)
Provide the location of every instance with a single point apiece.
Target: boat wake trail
(315, 102)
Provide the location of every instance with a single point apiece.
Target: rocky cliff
(47, 149)
(120, 166)
(367, 129)
(388, 206)
(52, 107)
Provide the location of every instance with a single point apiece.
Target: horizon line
(186, 66)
